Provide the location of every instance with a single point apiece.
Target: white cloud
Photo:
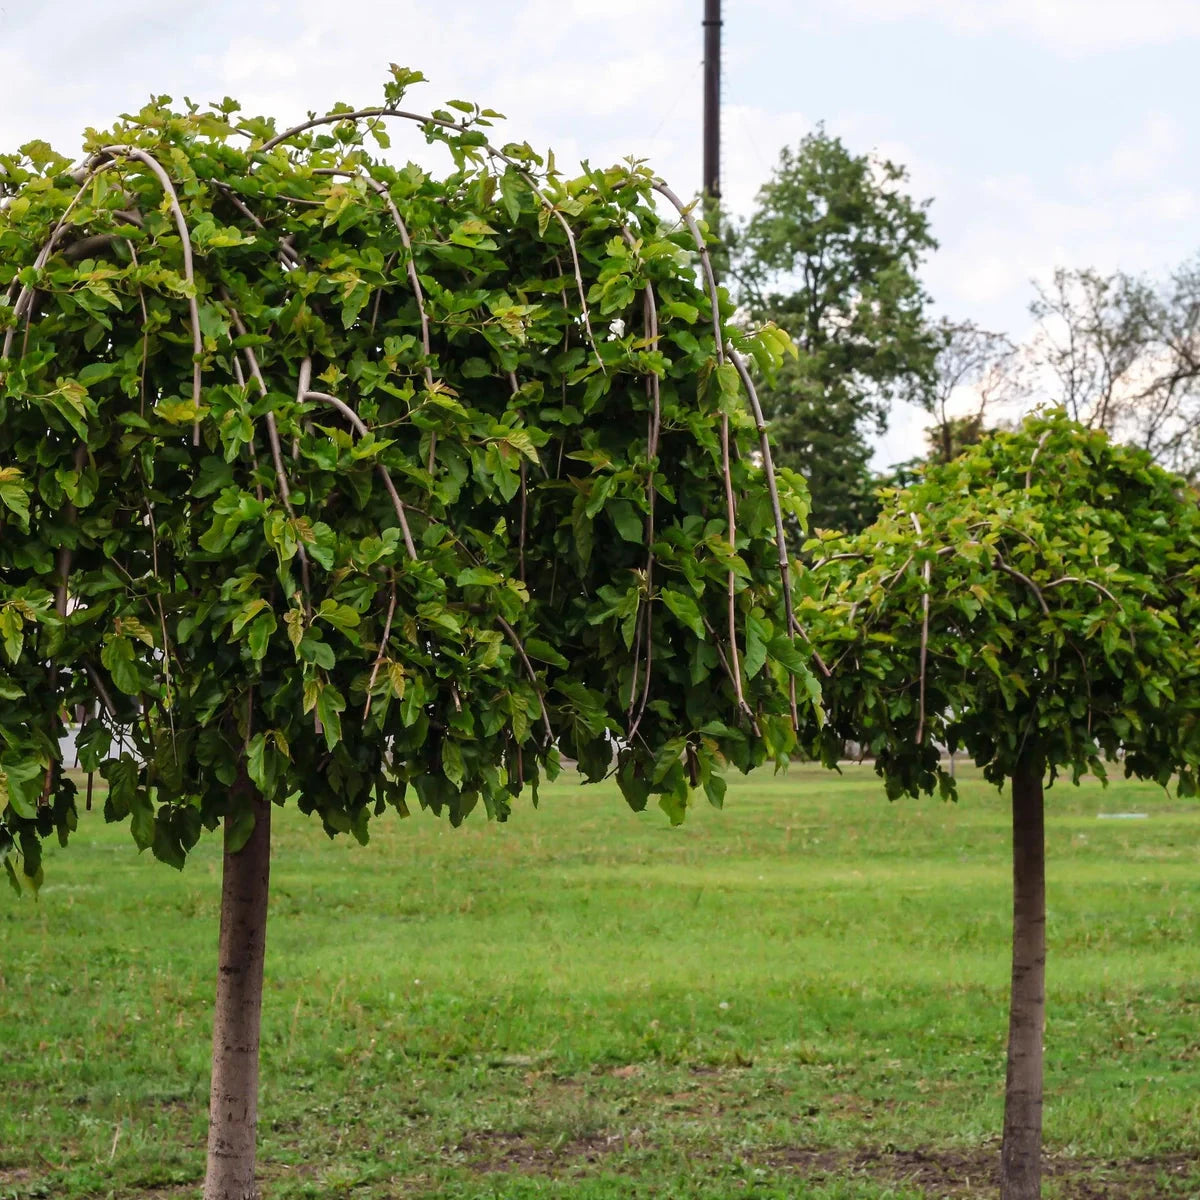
(1073, 27)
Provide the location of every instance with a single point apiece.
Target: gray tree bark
(233, 1102)
(1021, 1155)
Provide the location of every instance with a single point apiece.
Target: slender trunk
(1021, 1156)
(233, 1102)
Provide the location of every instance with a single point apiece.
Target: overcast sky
(1047, 132)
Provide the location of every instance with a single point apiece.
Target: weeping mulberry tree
(330, 482)
(1035, 604)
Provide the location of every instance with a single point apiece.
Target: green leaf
(340, 616)
(95, 373)
(14, 493)
(685, 608)
(259, 637)
(782, 650)
(238, 827)
(477, 575)
(757, 635)
(541, 651)
(117, 655)
(630, 524)
(330, 703)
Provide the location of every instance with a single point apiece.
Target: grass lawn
(801, 996)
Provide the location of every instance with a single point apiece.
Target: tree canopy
(1037, 595)
(368, 485)
(832, 253)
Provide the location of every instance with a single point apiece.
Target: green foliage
(831, 254)
(323, 471)
(1036, 597)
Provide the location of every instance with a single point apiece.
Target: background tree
(1122, 353)
(1034, 603)
(977, 374)
(317, 484)
(831, 253)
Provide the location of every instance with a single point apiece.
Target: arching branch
(458, 127)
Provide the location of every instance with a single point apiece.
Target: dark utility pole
(712, 100)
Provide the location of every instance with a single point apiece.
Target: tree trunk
(233, 1102)
(1021, 1156)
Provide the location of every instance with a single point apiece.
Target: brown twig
(1033, 587)
(239, 375)
(924, 637)
(1036, 452)
(387, 633)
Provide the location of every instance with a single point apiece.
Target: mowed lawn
(803, 995)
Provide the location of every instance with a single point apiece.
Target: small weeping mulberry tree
(1035, 604)
(330, 482)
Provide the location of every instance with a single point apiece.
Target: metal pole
(712, 99)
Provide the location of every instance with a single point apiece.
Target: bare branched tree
(1123, 354)
(978, 374)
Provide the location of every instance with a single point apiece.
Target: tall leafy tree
(832, 253)
(1034, 603)
(321, 484)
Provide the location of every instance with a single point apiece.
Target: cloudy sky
(1047, 132)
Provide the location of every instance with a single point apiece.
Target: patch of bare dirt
(955, 1174)
(939, 1174)
(495, 1150)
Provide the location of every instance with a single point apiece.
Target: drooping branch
(287, 252)
(1036, 451)
(302, 387)
(361, 429)
(1086, 583)
(383, 641)
(24, 294)
(513, 637)
(710, 287)
(414, 279)
(134, 152)
(926, 574)
(764, 443)
(515, 387)
(1020, 575)
(706, 267)
(285, 493)
(645, 623)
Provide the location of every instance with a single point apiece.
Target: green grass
(803, 995)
